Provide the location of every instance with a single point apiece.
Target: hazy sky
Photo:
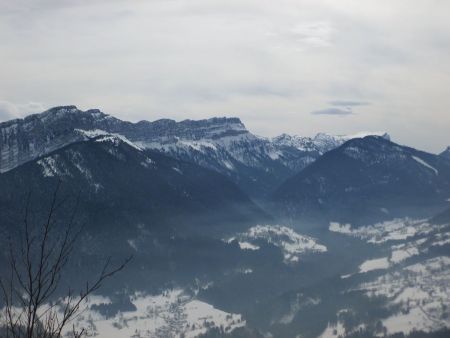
(338, 66)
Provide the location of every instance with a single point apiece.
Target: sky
(294, 66)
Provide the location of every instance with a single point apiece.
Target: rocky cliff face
(23, 140)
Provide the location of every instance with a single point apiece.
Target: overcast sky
(337, 66)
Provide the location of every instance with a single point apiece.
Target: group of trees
(32, 302)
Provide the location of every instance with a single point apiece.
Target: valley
(233, 234)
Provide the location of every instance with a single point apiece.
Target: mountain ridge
(257, 164)
(108, 171)
(366, 180)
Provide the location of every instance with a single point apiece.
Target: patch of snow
(48, 165)
(393, 230)
(290, 242)
(52, 166)
(115, 138)
(107, 137)
(132, 244)
(177, 170)
(374, 264)
(441, 239)
(248, 246)
(363, 134)
(400, 254)
(384, 210)
(228, 164)
(340, 228)
(274, 155)
(199, 145)
(422, 162)
(333, 331)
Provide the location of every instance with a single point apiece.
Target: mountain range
(257, 164)
(285, 231)
(357, 178)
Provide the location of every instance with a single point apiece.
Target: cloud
(317, 34)
(333, 111)
(344, 103)
(263, 61)
(9, 110)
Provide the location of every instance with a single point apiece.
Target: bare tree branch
(36, 271)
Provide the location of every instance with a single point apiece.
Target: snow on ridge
(425, 164)
(343, 138)
(300, 142)
(105, 136)
(322, 142)
(363, 134)
(197, 144)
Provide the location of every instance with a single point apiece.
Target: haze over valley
(234, 234)
(224, 169)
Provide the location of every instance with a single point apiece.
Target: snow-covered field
(410, 237)
(170, 314)
(374, 264)
(415, 284)
(393, 230)
(421, 290)
(292, 244)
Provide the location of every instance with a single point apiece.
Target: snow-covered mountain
(322, 142)
(23, 140)
(326, 142)
(127, 196)
(367, 179)
(257, 164)
(147, 189)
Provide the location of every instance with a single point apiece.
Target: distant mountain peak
(61, 108)
(71, 110)
(346, 137)
(322, 142)
(300, 142)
